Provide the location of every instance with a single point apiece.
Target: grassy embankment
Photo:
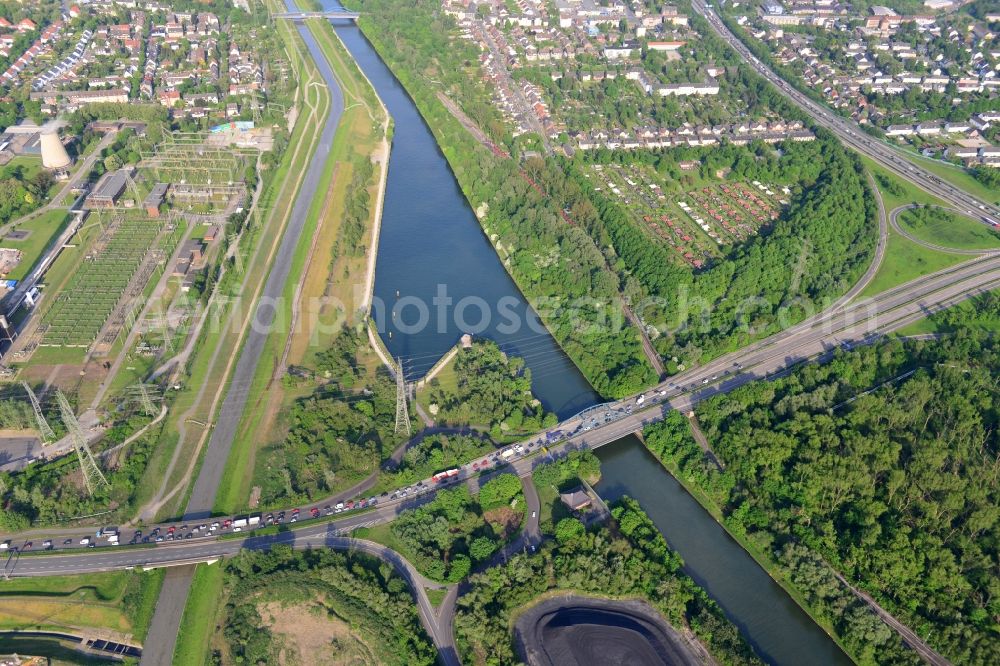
(200, 613)
(197, 625)
(904, 259)
(121, 602)
(316, 272)
(949, 229)
(216, 351)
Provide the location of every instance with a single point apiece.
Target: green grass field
(949, 229)
(958, 177)
(933, 325)
(43, 229)
(121, 601)
(198, 622)
(905, 261)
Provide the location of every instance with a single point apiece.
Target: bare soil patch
(310, 634)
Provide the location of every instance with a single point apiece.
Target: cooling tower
(54, 155)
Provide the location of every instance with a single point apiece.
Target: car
(235, 529)
(47, 544)
(170, 537)
(27, 545)
(215, 525)
(67, 542)
(362, 503)
(475, 467)
(294, 519)
(372, 501)
(327, 510)
(171, 529)
(159, 539)
(340, 505)
(350, 504)
(84, 541)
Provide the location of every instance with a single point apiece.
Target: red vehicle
(350, 505)
(314, 511)
(172, 529)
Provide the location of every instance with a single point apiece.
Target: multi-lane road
(851, 134)
(845, 327)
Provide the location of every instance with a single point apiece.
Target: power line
(93, 477)
(48, 435)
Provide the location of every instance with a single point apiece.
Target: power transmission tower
(44, 429)
(145, 400)
(402, 413)
(92, 474)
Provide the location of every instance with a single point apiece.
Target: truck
(240, 523)
(506, 453)
(254, 521)
(442, 476)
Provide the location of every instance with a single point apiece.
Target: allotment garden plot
(699, 224)
(108, 283)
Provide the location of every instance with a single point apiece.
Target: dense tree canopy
(882, 463)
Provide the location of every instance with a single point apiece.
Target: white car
(84, 541)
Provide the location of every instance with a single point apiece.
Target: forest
(490, 390)
(627, 559)
(446, 537)
(365, 593)
(881, 465)
(338, 434)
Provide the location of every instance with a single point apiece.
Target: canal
(437, 273)
(431, 240)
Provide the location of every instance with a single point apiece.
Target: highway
(851, 134)
(858, 323)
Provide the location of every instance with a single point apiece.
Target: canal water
(437, 274)
(430, 238)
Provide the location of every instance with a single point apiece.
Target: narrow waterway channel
(430, 240)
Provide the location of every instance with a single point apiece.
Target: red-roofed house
(74, 11)
(4, 23)
(26, 25)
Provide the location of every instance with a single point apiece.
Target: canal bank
(434, 258)
(432, 239)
